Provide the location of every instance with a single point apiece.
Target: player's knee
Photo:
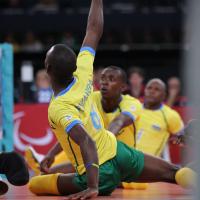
(45, 184)
(33, 185)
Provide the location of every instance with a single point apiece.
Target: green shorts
(126, 166)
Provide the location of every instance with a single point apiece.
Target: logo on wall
(24, 139)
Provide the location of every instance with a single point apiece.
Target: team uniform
(155, 127)
(75, 105)
(117, 161)
(128, 106)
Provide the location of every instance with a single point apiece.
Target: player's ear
(48, 68)
(124, 87)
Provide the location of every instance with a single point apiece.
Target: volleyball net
(6, 97)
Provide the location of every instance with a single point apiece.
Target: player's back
(74, 106)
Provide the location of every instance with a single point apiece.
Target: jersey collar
(66, 89)
(159, 108)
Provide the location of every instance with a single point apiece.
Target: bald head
(154, 93)
(158, 82)
(60, 63)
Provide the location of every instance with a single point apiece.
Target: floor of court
(156, 191)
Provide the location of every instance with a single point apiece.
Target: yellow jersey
(155, 127)
(74, 106)
(128, 106)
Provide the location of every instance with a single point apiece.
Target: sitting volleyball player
(119, 113)
(100, 160)
(157, 121)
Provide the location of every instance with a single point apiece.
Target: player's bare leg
(158, 170)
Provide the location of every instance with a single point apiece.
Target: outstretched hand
(46, 163)
(179, 140)
(191, 132)
(85, 194)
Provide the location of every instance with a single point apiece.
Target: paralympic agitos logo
(22, 140)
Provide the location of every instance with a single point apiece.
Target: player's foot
(32, 160)
(3, 187)
(135, 186)
(186, 178)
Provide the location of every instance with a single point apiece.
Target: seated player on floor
(99, 159)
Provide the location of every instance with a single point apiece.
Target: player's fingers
(76, 197)
(44, 169)
(44, 163)
(73, 196)
(89, 196)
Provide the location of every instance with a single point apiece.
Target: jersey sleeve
(85, 62)
(175, 123)
(66, 118)
(131, 107)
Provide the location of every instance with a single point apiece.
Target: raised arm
(95, 22)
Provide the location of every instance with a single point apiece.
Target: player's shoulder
(96, 94)
(59, 103)
(128, 98)
(170, 111)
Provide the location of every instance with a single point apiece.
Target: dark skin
(154, 94)
(78, 134)
(111, 87)
(49, 159)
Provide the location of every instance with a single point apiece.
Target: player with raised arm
(73, 117)
(94, 152)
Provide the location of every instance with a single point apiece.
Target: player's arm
(89, 154)
(188, 134)
(95, 23)
(49, 158)
(120, 122)
(176, 128)
(129, 113)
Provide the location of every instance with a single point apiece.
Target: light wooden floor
(158, 191)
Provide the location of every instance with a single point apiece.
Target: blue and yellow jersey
(155, 127)
(74, 106)
(128, 106)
